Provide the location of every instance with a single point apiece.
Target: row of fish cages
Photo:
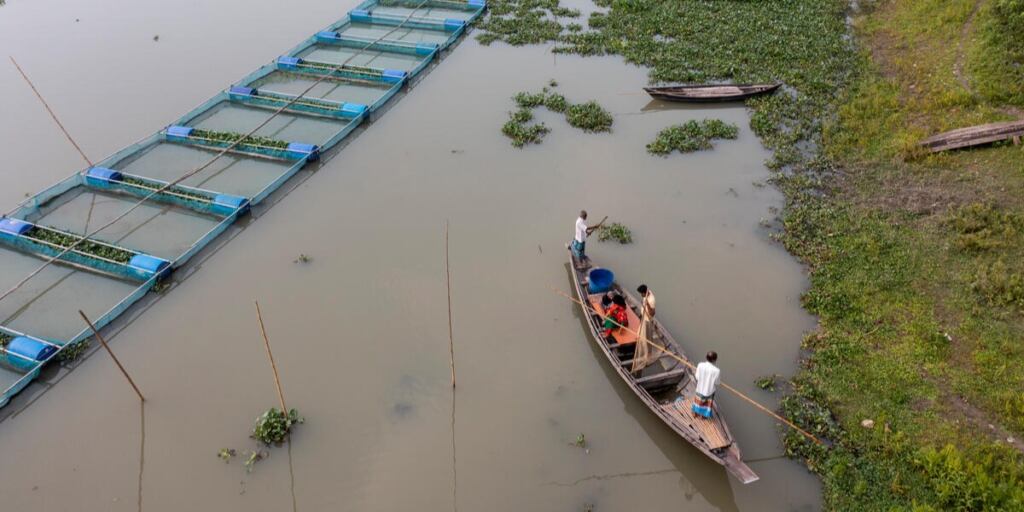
(119, 228)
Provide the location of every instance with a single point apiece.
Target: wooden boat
(710, 93)
(975, 136)
(666, 386)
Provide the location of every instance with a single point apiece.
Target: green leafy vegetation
(174, 191)
(519, 22)
(230, 137)
(766, 382)
(64, 240)
(273, 426)
(691, 136)
(615, 232)
(226, 454)
(74, 351)
(589, 116)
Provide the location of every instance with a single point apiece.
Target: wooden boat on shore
(710, 93)
(975, 136)
(666, 386)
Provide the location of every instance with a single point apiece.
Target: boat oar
(672, 355)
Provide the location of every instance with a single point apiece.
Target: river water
(360, 333)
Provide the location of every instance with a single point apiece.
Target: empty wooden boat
(666, 386)
(710, 93)
(975, 136)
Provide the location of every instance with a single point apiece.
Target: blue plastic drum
(601, 280)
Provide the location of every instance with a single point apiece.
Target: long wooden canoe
(666, 386)
(710, 93)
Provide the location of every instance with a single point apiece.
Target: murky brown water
(360, 333)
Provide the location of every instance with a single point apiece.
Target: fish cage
(221, 118)
(232, 175)
(364, 26)
(372, 93)
(170, 195)
(435, 10)
(165, 229)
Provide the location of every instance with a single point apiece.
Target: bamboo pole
(50, 110)
(270, 355)
(112, 356)
(448, 276)
(672, 355)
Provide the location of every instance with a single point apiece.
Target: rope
(50, 110)
(202, 167)
(692, 367)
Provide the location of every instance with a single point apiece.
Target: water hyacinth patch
(230, 137)
(691, 136)
(74, 351)
(615, 231)
(520, 22)
(273, 426)
(175, 191)
(589, 117)
(64, 240)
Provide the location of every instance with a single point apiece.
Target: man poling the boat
(579, 241)
(708, 376)
(644, 355)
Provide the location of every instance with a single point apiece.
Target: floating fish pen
(116, 229)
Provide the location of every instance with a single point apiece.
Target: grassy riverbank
(915, 261)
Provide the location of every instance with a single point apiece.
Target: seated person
(615, 317)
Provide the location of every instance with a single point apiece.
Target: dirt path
(961, 57)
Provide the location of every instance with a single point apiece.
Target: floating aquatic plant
(589, 117)
(519, 22)
(174, 191)
(230, 137)
(226, 454)
(273, 426)
(303, 258)
(766, 382)
(74, 351)
(691, 136)
(615, 231)
(64, 240)
(254, 457)
(581, 441)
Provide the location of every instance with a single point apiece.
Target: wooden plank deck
(975, 136)
(709, 430)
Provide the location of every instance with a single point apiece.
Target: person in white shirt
(579, 241)
(707, 379)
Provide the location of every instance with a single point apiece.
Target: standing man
(645, 354)
(579, 241)
(707, 383)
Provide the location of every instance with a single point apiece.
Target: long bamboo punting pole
(672, 355)
(270, 355)
(112, 356)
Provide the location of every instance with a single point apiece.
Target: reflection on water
(360, 333)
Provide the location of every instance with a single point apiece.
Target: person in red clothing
(615, 317)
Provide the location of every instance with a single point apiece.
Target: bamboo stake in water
(112, 356)
(273, 365)
(448, 276)
(50, 110)
(665, 351)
